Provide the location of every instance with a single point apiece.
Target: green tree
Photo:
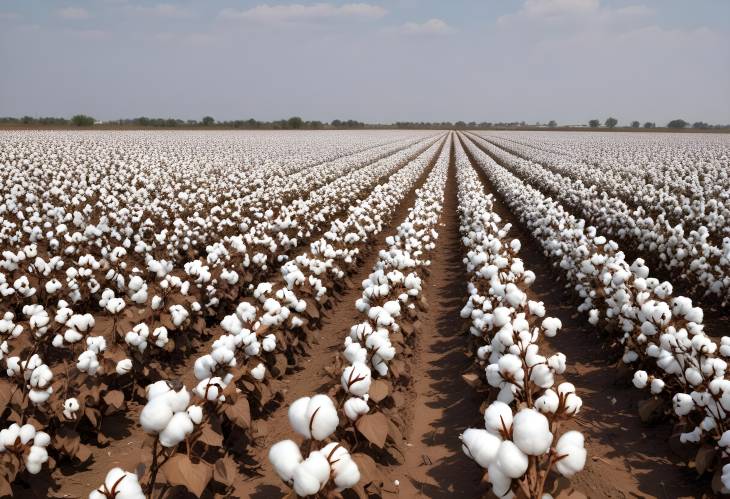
(700, 124)
(649, 124)
(82, 120)
(294, 122)
(552, 124)
(635, 124)
(207, 120)
(611, 122)
(677, 124)
(594, 123)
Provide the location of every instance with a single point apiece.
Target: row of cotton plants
(677, 245)
(390, 301)
(659, 335)
(681, 178)
(273, 325)
(524, 436)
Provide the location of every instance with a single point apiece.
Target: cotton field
(376, 313)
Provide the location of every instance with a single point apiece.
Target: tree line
(297, 123)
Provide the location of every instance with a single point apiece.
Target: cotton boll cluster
(330, 467)
(27, 442)
(36, 375)
(168, 414)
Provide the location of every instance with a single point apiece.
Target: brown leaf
(374, 427)
(368, 468)
(224, 471)
(650, 409)
(472, 379)
(210, 437)
(239, 413)
(705, 458)
(114, 398)
(379, 389)
(179, 470)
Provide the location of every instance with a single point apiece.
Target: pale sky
(380, 61)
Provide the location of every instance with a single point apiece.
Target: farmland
(374, 313)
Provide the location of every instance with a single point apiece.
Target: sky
(374, 61)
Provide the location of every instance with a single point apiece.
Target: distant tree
(82, 120)
(677, 124)
(552, 124)
(611, 122)
(635, 124)
(472, 124)
(315, 125)
(459, 124)
(207, 120)
(294, 122)
(594, 123)
(649, 124)
(700, 124)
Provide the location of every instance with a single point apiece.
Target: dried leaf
(210, 437)
(379, 389)
(705, 458)
(239, 413)
(374, 427)
(179, 470)
(472, 379)
(650, 409)
(114, 398)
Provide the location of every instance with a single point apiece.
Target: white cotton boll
(298, 416)
(269, 343)
(511, 460)
(531, 432)
(542, 376)
(42, 439)
(180, 400)
(498, 417)
(312, 474)
(693, 436)
(501, 483)
(156, 415)
(557, 362)
(657, 385)
(480, 445)
(593, 317)
(127, 485)
(259, 372)
(693, 376)
(536, 308)
(356, 379)
(640, 379)
(572, 445)
(26, 434)
(501, 316)
(355, 407)
(725, 478)
(196, 413)
(551, 325)
(35, 459)
(324, 415)
(124, 366)
(176, 430)
(548, 402)
(346, 472)
(285, 456)
(683, 404)
(72, 336)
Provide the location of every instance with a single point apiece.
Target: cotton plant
(328, 465)
(28, 445)
(119, 484)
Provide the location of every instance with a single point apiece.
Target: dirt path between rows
(626, 457)
(443, 405)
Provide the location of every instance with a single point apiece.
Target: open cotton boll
(571, 445)
(176, 430)
(35, 459)
(640, 379)
(317, 413)
(285, 456)
(480, 445)
(311, 474)
(511, 460)
(551, 325)
(531, 432)
(124, 366)
(156, 415)
(356, 379)
(501, 483)
(355, 407)
(259, 371)
(683, 404)
(548, 402)
(498, 417)
(120, 483)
